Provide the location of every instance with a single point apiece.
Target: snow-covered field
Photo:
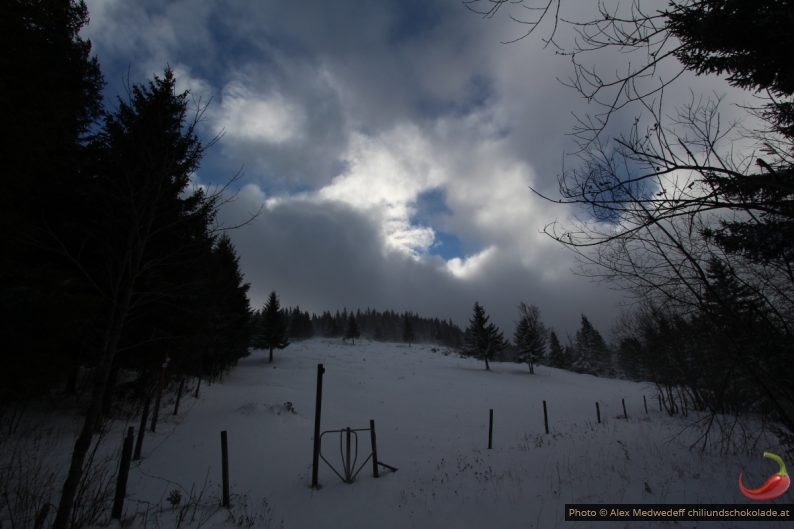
(431, 415)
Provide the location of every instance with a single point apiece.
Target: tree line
(293, 323)
(113, 260)
(273, 327)
(695, 211)
(534, 343)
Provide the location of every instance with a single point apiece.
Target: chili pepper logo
(776, 485)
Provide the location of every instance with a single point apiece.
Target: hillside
(431, 414)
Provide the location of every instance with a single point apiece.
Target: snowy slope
(431, 414)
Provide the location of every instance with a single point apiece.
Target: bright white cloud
(250, 116)
(384, 176)
(471, 265)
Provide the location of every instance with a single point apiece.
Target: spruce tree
(482, 338)
(592, 353)
(224, 301)
(530, 335)
(50, 86)
(272, 332)
(145, 232)
(352, 332)
(408, 330)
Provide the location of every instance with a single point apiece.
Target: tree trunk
(92, 416)
(487, 366)
(271, 355)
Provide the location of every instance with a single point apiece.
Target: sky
(389, 148)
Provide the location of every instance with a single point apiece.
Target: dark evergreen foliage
(224, 314)
(352, 332)
(749, 43)
(557, 356)
(50, 86)
(591, 352)
(408, 330)
(271, 330)
(389, 326)
(530, 336)
(149, 232)
(112, 254)
(300, 324)
(482, 338)
(146, 256)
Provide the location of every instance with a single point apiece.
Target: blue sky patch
(430, 207)
(446, 246)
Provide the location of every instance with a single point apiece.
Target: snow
(431, 415)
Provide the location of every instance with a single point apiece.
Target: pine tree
(592, 353)
(352, 331)
(530, 335)
(408, 330)
(145, 232)
(228, 332)
(272, 332)
(483, 339)
(51, 89)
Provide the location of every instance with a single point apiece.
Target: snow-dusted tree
(272, 328)
(482, 339)
(530, 336)
(592, 353)
(352, 331)
(408, 330)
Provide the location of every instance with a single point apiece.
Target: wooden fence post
(317, 415)
(625, 415)
(645, 403)
(545, 417)
(156, 409)
(598, 412)
(490, 428)
(225, 468)
(124, 472)
(142, 430)
(374, 448)
(179, 395)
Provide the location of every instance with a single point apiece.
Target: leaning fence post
(625, 415)
(374, 448)
(348, 467)
(142, 430)
(490, 428)
(156, 409)
(545, 417)
(225, 468)
(317, 414)
(179, 395)
(124, 472)
(645, 403)
(598, 412)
